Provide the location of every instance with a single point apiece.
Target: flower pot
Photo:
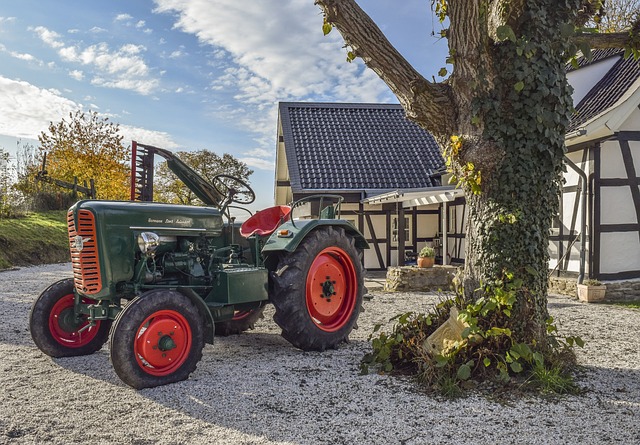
(591, 293)
(426, 261)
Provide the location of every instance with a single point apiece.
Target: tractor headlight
(148, 242)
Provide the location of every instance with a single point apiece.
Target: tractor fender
(289, 235)
(203, 310)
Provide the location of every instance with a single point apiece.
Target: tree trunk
(500, 119)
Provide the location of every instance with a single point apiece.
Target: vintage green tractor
(160, 280)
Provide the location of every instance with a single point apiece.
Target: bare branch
(428, 103)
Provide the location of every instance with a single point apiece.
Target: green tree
(500, 119)
(87, 147)
(168, 188)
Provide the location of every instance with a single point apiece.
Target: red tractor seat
(265, 222)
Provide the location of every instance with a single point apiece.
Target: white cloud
(140, 24)
(122, 18)
(260, 153)
(285, 57)
(27, 109)
(149, 137)
(123, 68)
(21, 56)
(176, 54)
(261, 164)
(51, 38)
(76, 74)
(97, 30)
(7, 20)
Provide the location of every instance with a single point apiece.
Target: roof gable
(609, 90)
(333, 146)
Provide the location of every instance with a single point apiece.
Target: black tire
(242, 321)
(157, 339)
(317, 290)
(55, 329)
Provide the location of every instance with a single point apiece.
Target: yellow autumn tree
(87, 147)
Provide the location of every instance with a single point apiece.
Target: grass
(36, 238)
(630, 304)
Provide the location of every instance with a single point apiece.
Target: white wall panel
(619, 252)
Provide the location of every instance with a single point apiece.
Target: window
(395, 229)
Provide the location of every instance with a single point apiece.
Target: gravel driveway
(257, 389)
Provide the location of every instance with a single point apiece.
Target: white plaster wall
(371, 259)
(612, 165)
(635, 152)
(584, 79)
(617, 206)
(619, 252)
(427, 226)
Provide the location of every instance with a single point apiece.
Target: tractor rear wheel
(317, 290)
(241, 321)
(56, 329)
(157, 339)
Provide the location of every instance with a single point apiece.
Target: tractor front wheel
(56, 328)
(317, 290)
(157, 339)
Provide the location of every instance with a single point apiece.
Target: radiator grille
(86, 267)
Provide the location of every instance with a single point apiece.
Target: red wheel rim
(239, 315)
(162, 342)
(64, 326)
(332, 289)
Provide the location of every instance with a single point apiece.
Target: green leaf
(443, 72)
(326, 28)
(538, 358)
(580, 342)
(464, 372)
(351, 56)
(516, 367)
(504, 32)
(567, 30)
(441, 361)
(486, 362)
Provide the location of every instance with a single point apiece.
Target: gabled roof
(609, 90)
(337, 146)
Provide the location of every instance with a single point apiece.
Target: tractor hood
(202, 188)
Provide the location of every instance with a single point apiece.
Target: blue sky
(191, 74)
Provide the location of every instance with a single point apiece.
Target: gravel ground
(257, 389)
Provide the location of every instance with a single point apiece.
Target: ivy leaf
(516, 367)
(486, 362)
(443, 72)
(504, 32)
(350, 56)
(519, 86)
(567, 30)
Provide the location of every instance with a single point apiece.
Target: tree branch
(604, 41)
(427, 103)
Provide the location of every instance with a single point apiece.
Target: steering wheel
(233, 189)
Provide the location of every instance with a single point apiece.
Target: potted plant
(591, 290)
(426, 257)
